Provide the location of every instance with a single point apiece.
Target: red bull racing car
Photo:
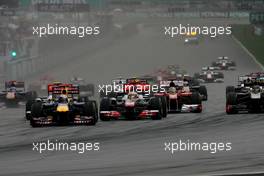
(63, 107)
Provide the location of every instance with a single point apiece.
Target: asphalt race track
(137, 147)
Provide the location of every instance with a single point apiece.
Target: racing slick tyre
(231, 101)
(230, 89)
(194, 82)
(196, 99)
(29, 104)
(104, 106)
(164, 107)
(155, 104)
(36, 111)
(203, 92)
(90, 109)
(257, 106)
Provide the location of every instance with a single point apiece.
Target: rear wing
(168, 82)
(136, 81)
(244, 78)
(16, 84)
(250, 81)
(223, 58)
(210, 68)
(119, 81)
(68, 89)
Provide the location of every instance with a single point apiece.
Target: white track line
(248, 52)
(239, 174)
(233, 174)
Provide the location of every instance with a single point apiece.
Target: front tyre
(36, 112)
(231, 102)
(203, 92)
(104, 106)
(155, 104)
(90, 110)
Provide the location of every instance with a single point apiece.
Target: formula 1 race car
(131, 106)
(208, 75)
(170, 70)
(117, 87)
(247, 96)
(86, 90)
(193, 83)
(15, 93)
(191, 38)
(180, 97)
(63, 107)
(224, 63)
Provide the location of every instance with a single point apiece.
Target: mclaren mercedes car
(131, 106)
(135, 100)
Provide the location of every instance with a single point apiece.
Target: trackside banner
(215, 14)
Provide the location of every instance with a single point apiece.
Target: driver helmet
(49, 98)
(132, 96)
(63, 99)
(172, 90)
(12, 89)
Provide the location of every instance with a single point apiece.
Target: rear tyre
(90, 110)
(28, 108)
(164, 106)
(155, 104)
(230, 89)
(196, 99)
(231, 102)
(203, 92)
(194, 82)
(104, 106)
(36, 111)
